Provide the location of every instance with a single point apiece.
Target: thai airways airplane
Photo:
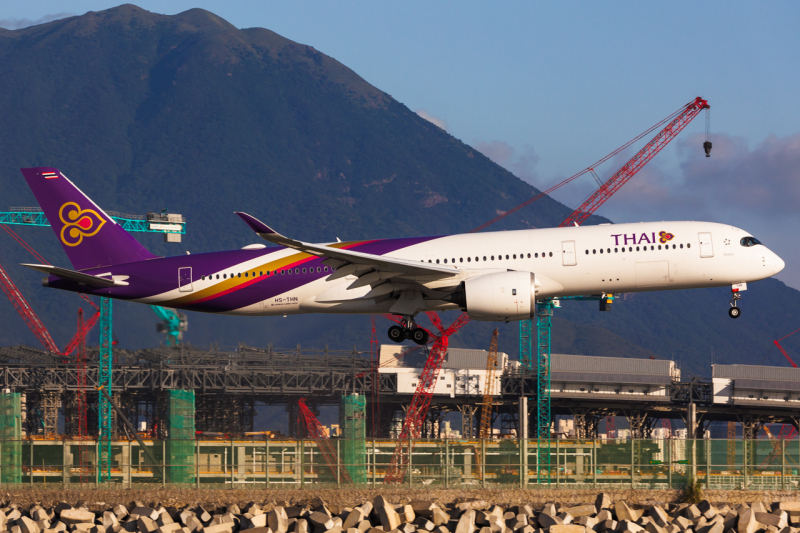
(492, 276)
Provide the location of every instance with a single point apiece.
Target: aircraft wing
(387, 266)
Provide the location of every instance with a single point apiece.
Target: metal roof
(753, 372)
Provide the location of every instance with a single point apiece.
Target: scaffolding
(181, 452)
(353, 424)
(10, 434)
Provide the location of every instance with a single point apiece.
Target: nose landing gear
(734, 311)
(408, 329)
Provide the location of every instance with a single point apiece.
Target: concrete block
(145, 524)
(278, 520)
(440, 517)
(477, 505)
(441, 529)
(628, 526)
(547, 521)
(27, 525)
(683, 523)
(519, 521)
(259, 530)
(323, 522)
(364, 525)
(623, 512)
(423, 523)
(607, 525)
(354, 517)
(423, 508)
(301, 526)
(193, 524)
(258, 521)
(149, 512)
(407, 514)
(84, 527)
(75, 516)
(568, 528)
(380, 501)
(550, 510)
(652, 527)
(466, 523)
(769, 519)
(789, 506)
(39, 514)
(485, 529)
(659, 516)
(169, 528)
(581, 510)
(527, 529)
(747, 521)
(603, 502)
(604, 515)
(224, 527)
(389, 518)
(43, 524)
(164, 519)
(120, 511)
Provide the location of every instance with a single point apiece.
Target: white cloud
(16, 24)
(430, 118)
(521, 163)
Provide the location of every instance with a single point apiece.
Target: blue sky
(548, 88)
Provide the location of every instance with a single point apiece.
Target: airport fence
(446, 463)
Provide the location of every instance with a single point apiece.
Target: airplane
(492, 276)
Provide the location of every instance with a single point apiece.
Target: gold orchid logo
(78, 223)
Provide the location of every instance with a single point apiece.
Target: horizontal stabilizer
(79, 277)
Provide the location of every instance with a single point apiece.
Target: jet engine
(502, 296)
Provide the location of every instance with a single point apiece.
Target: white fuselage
(589, 260)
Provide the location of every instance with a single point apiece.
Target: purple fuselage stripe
(160, 275)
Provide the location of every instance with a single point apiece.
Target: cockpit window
(749, 241)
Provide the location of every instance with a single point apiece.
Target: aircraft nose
(777, 263)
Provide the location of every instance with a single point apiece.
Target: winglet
(265, 232)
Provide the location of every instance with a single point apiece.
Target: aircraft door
(568, 257)
(706, 248)
(185, 279)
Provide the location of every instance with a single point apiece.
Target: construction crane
(488, 390)
(675, 122)
(418, 409)
(316, 432)
(26, 312)
(778, 344)
(173, 324)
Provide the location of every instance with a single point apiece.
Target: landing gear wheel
(419, 335)
(397, 334)
(734, 312)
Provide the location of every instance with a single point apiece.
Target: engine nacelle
(502, 296)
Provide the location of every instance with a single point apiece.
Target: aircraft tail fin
(89, 236)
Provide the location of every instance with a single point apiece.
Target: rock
(76, 516)
(224, 527)
(353, 518)
(602, 502)
(389, 518)
(466, 523)
(322, 521)
(581, 510)
(652, 527)
(439, 517)
(27, 525)
(407, 514)
(547, 521)
(193, 524)
(747, 521)
(769, 519)
(423, 508)
(423, 523)
(278, 520)
(627, 526)
(568, 528)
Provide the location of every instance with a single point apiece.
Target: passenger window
(304, 271)
(515, 256)
(484, 258)
(492, 258)
(217, 276)
(460, 259)
(609, 250)
(688, 245)
(681, 245)
(296, 270)
(674, 246)
(224, 276)
(445, 261)
(326, 269)
(630, 248)
(245, 274)
(536, 255)
(659, 246)
(551, 254)
(593, 251)
(507, 256)
(615, 250)
(469, 259)
(529, 256)
(454, 260)
(202, 277)
(239, 275)
(437, 261)
(587, 252)
(283, 272)
(652, 247)
(601, 250)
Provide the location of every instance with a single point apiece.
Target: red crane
(623, 175)
(674, 124)
(316, 432)
(27, 313)
(418, 409)
(786, 355)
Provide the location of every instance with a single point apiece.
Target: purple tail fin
(89, 236)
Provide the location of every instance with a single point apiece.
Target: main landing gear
(408, 330)
(734, 311)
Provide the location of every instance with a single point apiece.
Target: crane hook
(707, 144)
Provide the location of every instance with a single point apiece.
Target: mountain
(186, 112)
